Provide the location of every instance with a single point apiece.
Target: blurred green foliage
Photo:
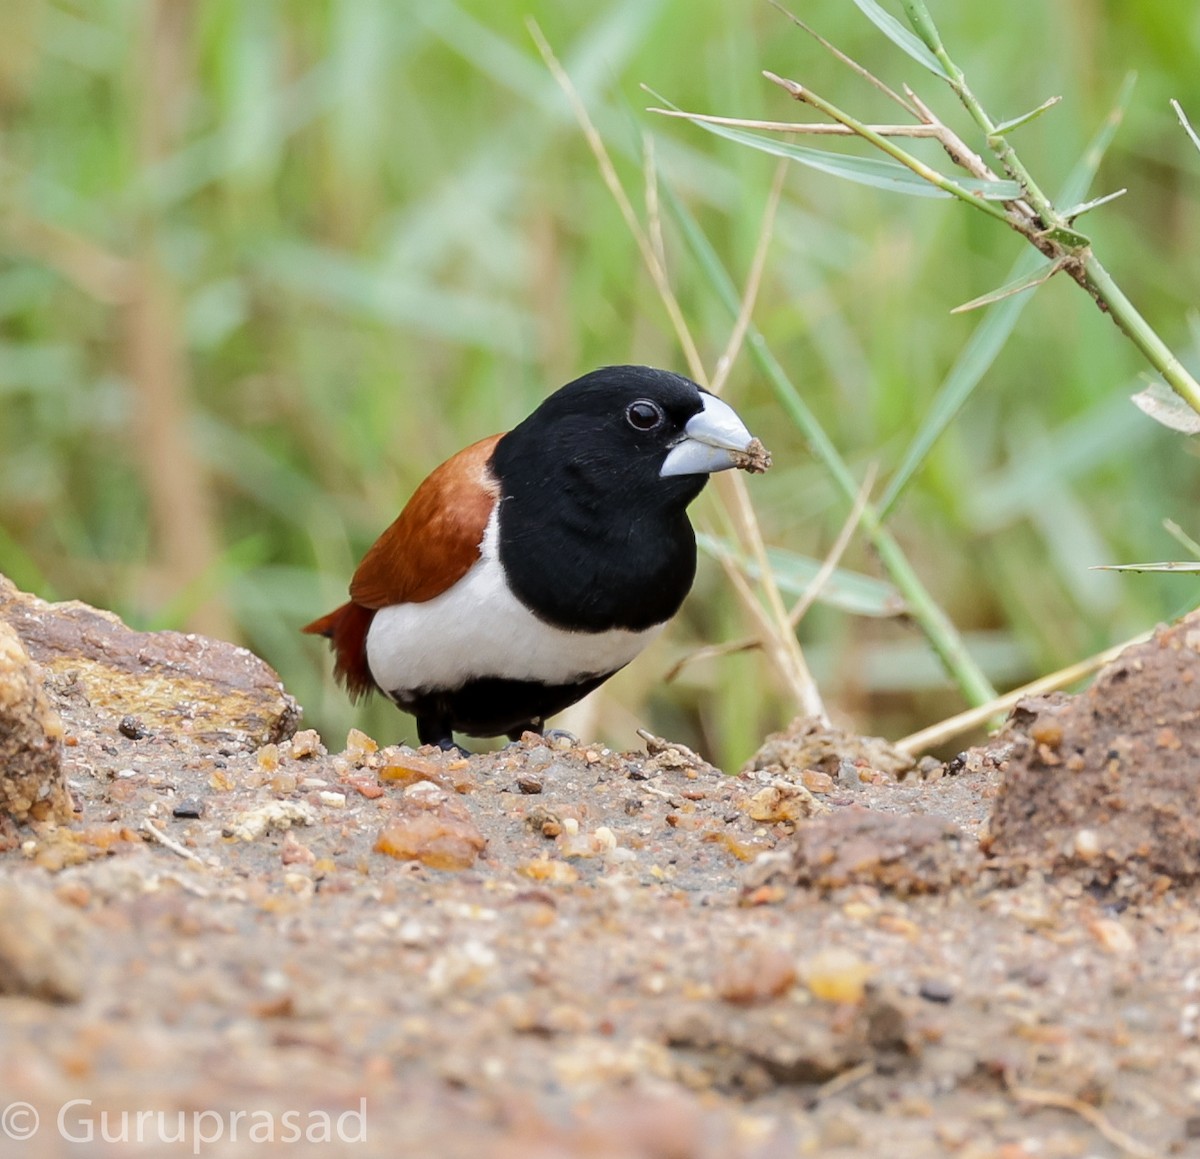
(265, 263)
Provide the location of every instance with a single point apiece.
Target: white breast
(478, 628)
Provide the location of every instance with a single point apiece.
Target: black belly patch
(493, 706)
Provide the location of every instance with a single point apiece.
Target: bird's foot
(555, 738)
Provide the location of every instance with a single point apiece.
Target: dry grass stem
(737, 335)
(848, 61)
(811, 593)
(1125, 1143)
(816, 129)
(609, 174)
(779, 641)
(973, 718)
(99, 273)
(797, 678)
(1187, 125)
(834, 556)
(653, 205)
(169, 842)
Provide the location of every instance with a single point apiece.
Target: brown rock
(434, 829)
(782, 802)
(1103, 785)
(32, 786)
(754, 973)
(97, 667)
(807, 745)
(41, 946)
(904, 853)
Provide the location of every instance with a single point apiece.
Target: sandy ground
(557, 950)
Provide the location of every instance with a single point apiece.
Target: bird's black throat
(589, 546)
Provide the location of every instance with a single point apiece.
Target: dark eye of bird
(644, 415)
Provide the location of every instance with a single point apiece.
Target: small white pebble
(307, 743)
(414, 933)
(1087, 844)
(313, 783)
(275, 980)
(570, 826)
(300, 883)
(604, 838)
(333, 800)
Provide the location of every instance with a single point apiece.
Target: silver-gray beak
(714, 440)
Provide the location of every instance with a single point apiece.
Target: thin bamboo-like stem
(884, 145)
(1143, 336)
(1052, 233)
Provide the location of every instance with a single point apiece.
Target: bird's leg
(535, 726)
(436, 730)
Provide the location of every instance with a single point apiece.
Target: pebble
(936, 990)
(132, 727)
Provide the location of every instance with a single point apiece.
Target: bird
(533, 565)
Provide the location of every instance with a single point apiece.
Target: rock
(782, 802)
(171, 683)
(754, 1049)
(905, 854)
(32, 785)
(432, 828)
(41, 946)
(273, 817)
(1102, 786)
(807, 744)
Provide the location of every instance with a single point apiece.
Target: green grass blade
(872, 171)
(1181, 537)
(1025, 118)
(1095, 203)
(981, 350)
(901, 37)
(1042, 272)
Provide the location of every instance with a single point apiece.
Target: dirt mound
(1103, 785)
